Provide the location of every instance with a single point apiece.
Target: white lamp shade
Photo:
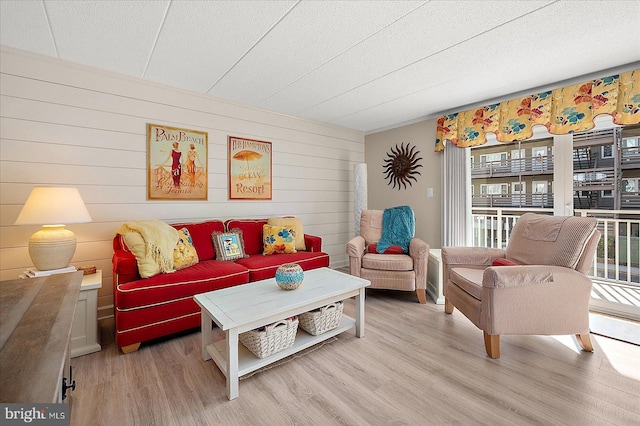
(53, 206)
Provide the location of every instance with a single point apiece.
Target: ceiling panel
(201, 41)
(361, 64)
(112, 35)
(312, 34)
(23, 24)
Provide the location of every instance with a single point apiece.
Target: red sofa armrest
(312, 243)
(125, 267)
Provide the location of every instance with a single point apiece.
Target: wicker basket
(321, 320)
(274, 338)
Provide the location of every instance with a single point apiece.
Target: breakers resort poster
(176, 163)
(249, 169)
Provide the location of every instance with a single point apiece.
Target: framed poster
(249, 169)
(176, 163)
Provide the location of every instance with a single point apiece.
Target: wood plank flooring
(415, 366)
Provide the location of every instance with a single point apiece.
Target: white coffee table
(249, 306)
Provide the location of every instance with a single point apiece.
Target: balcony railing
(594, 179)
(492, 227)
(630, 157)
(630, 200)
(513, 166)
(618, 256)
(543, 200)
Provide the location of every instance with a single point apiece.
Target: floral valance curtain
(565, 110)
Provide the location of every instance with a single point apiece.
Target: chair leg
(448, 306)
(584, 340)
(492, 344)
(422, 295)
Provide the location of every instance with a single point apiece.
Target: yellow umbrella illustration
(247, 156)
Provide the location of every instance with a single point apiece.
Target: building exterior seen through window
(606, 172)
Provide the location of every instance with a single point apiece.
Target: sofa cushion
(262, 267)
(469, 280)
(387, 262)
(201, 236)
(251, 233)
(184, 254)
(204, 276)
(278, 239)
(296, 223)
(228, 245)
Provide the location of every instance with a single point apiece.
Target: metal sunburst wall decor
(401, 166)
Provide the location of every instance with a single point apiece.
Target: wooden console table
(36, 315)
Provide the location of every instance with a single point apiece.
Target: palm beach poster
(176, 163)
(249, 169)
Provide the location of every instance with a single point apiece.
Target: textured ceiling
(366, 65)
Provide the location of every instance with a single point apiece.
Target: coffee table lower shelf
(248, 362)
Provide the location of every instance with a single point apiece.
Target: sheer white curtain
(456, 194)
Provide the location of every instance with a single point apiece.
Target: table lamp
(53, 246)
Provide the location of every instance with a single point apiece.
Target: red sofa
(148, 308)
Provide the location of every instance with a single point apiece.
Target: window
(539, 188)
(539, 160)
(630, 185)
(630, 147)
(518, 193)
(517, 187)
(630, 142)
(606, 151)
(607, 193)
(517, 160)
(496, 156)
(494, 188)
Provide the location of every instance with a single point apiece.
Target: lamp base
(52, 247)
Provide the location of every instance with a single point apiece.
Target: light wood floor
(415, 366)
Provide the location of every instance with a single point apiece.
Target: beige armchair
(546, 293)
(388, 271)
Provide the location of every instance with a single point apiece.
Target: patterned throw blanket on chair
(398, 228)
(152, 243)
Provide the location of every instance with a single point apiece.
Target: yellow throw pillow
(297, 225)
(184, 254)
(278, 239)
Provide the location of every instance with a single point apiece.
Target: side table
(434, 276)
(84, 333)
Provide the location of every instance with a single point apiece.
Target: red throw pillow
(501, 261)
(390, 250)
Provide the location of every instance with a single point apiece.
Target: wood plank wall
(70, 125)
